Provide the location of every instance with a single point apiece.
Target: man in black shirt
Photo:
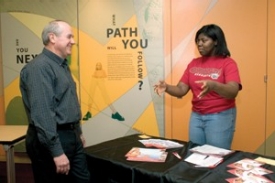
(54, 140)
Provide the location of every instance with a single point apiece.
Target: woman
(214, 81)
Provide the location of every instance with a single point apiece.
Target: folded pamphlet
(207, 156)
(146, 154)
(248, 171)
(202, 160)
(211, 150)
(161, 144)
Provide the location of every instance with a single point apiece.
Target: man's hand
(83, 140)
(62, 164)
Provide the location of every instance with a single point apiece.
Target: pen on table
(177, 155)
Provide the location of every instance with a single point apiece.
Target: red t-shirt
(220, 69)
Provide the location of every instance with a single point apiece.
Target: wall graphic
(121, 57)
(117, 60)
(19, 47)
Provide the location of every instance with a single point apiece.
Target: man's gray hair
(52, 27)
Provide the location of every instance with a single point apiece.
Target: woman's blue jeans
(215, 129)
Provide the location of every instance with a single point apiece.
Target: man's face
(64, 41)
(206, 45)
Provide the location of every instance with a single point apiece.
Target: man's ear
(52, 37)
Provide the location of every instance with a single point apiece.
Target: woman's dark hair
(216, 34)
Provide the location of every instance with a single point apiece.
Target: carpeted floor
(23, 173)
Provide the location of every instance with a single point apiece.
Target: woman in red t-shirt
(214, 81)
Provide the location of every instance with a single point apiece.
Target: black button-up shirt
(50, 98)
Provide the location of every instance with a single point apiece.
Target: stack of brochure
(211, 150)
(248, 170)
(146, 154)
(154, 151)
(161, 144)
(207, 156)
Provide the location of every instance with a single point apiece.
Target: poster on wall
(121, 57)
(117, 59)
(19, 47)
(21, 27)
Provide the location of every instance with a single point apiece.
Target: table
(107, 163)
(9, 136)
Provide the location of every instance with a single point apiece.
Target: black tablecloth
(107, 164)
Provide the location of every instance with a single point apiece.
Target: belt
(68, 126)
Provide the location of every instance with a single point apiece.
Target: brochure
(266, 160)
(146, 154)
(161, 144)
(203, 160)
(253, 179)
(248, 171)
(211, 150)
(245, 164)
(255, 170)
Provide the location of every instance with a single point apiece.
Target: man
(54, 140)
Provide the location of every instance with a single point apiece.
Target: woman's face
(206, 45)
